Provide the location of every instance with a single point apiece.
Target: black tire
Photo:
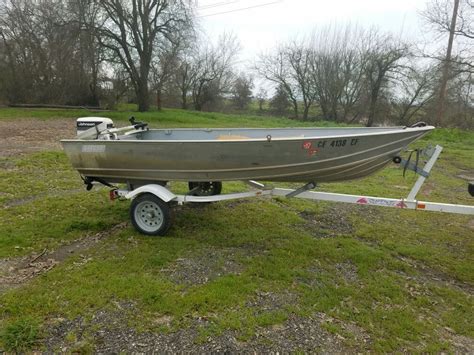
(150, 215)
(207, 188)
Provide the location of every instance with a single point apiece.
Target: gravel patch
(460, 343)
(348, 271)
(206, 265)
(112, 335)
(333, 222)
(271, 301)
(427, 274)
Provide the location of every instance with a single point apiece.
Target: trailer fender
(159, 191)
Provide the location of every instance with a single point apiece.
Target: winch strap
(408, 165)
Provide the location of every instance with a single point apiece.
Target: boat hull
(298, 159)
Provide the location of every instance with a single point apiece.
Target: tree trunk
(370, 120)
(324, 110)
(184, 100)
(372, 106)
(142, 96)
(305, 112)
(158, 99)
(373, 100)
(295, 107)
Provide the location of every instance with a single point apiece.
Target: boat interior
(226, 134)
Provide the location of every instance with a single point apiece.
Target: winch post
(427, 169)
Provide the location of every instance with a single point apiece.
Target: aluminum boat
(138, 155)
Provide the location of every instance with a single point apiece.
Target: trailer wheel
(150, 215)
(206, 188)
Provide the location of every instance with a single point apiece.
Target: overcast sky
(260, 28)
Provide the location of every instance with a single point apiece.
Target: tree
(51, 55)
(416, 91)
(211, 70)
(384, 55)
(300, 59)
(163, 68)
(261, 97)
(131, 30)
(185, 75)
(457, 20)
(279, 102)
(275, 68)
(337, 69)
(242, 91)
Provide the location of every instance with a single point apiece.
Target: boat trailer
(150, 209)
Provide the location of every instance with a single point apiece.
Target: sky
(261, 28)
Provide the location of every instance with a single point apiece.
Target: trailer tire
(150, 215)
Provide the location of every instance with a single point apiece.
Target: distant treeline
(99, 53)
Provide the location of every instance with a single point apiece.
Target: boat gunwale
(386, 131)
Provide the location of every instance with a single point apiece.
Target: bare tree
(185, 76)
(384, 55)
(439, 15)
(327, 69)
(275, 68)
(131, 29)
(300, 59)
(52, 57)
(457, 20)
(163, 67)
(338, 70)
(212, 71)
(415, 91)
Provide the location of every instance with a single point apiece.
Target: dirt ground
(15, 272)
(30, 135)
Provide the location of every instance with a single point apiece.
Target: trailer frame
(154, 199)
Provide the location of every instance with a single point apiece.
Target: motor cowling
(90, 127)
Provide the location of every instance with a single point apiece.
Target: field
(249, 275)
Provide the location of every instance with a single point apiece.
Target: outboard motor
(90, 127)
(470, 188)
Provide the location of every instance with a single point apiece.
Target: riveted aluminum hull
(290, 155)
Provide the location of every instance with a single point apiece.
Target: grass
(402, 277)
(21, 335)
(164, 118)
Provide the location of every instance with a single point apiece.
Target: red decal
(362, 201)
(312, 151)
(307, 145)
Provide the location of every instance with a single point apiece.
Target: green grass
(408, 268)
(20, 335)
(164, 118)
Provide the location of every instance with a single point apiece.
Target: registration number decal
(93, 148)
(313, 147)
